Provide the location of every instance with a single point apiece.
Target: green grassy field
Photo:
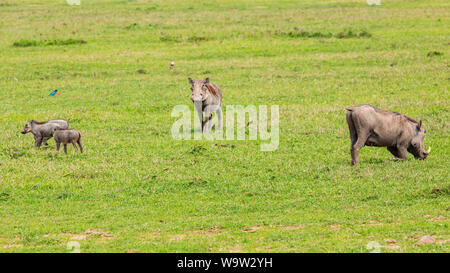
(136, 189)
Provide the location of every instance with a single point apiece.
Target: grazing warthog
(207, 97)
(67, 136)
(43, 131)
(371, 126)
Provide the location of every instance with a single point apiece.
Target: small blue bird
(53, 93)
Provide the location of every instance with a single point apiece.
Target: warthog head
(27, 128)
(199, 94)
(54, 130)
(199, 89)
(417, 147)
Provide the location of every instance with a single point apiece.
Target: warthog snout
(26, 128)
(198, 105)
(425, 154)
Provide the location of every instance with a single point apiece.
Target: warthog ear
(207, 80)
(419, 125)
(191, 81)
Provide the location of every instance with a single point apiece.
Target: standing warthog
(43, 131)
(371, 126)
(67, 136)
(207, 97)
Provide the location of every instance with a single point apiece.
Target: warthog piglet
(67, 136)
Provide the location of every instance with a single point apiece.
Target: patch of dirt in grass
(133, 251)
(424, 240)
(392, 246)
(150, 235)
(197, 39)
(99, 232)
(442, 242)
(197, 181)
(266, 249)
(12, 246)
(373, 223)
(334, 227)
(89, 233)
(234, 249)
(210, 232)
(176, 237)
(439, 218)
(292, 227)
(251, 229)
(77, 237)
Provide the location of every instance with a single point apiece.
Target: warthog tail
(350, 107)
(79, 143)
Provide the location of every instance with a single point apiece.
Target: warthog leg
(75, 146)
(352, 129)
(38, 142)
(208, 120)
(58, 145)
(362, 138)
(65, 148)
(394, 151)
(399, 153)
(79, 144)
(402, 153)
(219, 117)
(358, 136)
(44, 140)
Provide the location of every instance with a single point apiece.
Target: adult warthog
(207, 97)
(43, 131)
(371, 126)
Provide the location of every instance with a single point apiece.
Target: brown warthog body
(43, 131)
(207, 97)
(370, 126)
(67, 136)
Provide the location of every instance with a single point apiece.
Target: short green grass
(137, 189)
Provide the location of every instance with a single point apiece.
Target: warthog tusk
(429, 150)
